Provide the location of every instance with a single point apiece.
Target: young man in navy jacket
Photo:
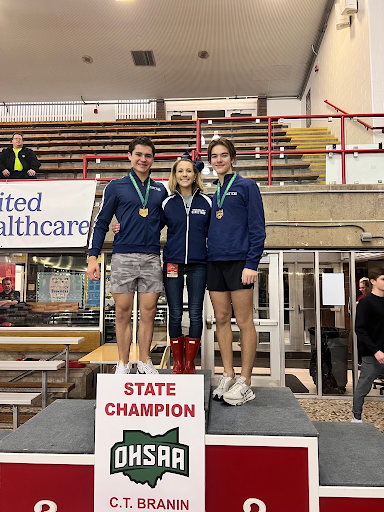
(235, 245)
(135, 200)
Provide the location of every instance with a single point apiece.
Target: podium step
(273, 412)
(65, 426)
(350, 454)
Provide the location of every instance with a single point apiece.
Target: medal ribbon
(143, 200)
(221, 201)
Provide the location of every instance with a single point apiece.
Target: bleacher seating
(61, 146)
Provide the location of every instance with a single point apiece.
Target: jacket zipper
(187, 230)
(147, 223)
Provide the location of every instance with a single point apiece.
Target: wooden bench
(99, 137)
(122, 146)
(52, 387)
(88, 138)
(46, 340)
(53, 307)
(43, 366)
(145, 130)
(16, 400)
(108, 354)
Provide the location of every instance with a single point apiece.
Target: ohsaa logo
(144, 458)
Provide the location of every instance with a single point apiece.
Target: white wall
(376, 40)
(286, 107)
(248, 105)
(344, 76)
(99, 113)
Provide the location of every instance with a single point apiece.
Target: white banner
(45, 213)
(149, 447)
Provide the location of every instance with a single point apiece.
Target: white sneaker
(239, 393)
(146, 367)
(355, 420)
(121, 368)
(224, 384)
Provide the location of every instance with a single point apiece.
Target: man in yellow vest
(18, 162)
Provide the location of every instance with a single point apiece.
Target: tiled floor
(341, 410)
(335, 409)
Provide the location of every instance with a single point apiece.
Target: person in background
(9, 296)
(364, 289)
(235, 245)
(187, 213)
(369, 328)
(18, 162)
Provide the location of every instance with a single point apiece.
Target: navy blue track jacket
(187, 234)
(137, 234)
(240, 233)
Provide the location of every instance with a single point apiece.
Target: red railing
(269, 152)
(163, 156)
(366, 125)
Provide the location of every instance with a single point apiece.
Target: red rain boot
(177, 345)
(191, 347)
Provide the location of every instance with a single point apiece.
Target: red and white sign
(172, 270)
(149, 450)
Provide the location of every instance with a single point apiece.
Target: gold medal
(219, 214)
(143, 212)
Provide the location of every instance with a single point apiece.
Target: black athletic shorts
(225, 276)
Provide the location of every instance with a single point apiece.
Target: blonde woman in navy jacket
(186, 213)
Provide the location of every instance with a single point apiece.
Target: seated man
(9, 296)
(18, 162)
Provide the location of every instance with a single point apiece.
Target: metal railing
(270, 153)
(163, 156)
(73, 110)
(366, 125)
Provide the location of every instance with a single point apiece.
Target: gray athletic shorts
(136, 272)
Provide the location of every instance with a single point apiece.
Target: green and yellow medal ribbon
(144, 200)
(220, 201)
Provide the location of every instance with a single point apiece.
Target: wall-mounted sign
(333, 289)
(45, 213)
(60, 287)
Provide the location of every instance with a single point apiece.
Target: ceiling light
(203, 54)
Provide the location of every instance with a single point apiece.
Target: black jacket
(370, 325)
(12, 295)
(27, 158)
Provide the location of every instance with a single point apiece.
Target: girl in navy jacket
(187, 213)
